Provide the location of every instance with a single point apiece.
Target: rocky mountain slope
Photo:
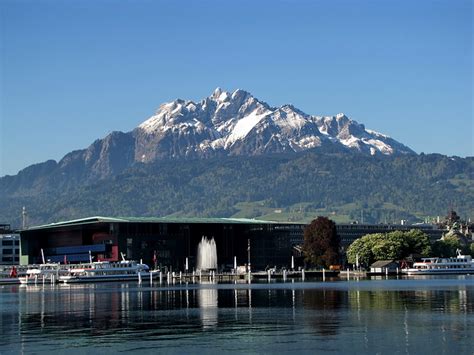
(223, 124)
(233, 155)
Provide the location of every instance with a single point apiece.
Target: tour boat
(100, 271)
(461, 264)
(46, 272)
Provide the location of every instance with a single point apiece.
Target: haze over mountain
(228, 132)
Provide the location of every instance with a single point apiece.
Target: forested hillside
(295, 187)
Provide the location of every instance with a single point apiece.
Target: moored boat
(101, 271)
(47, 272)
(461, 264)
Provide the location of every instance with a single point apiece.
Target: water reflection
(325, 318)
(284, 316)
(207, 303)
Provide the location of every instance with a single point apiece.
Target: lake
(385, 316)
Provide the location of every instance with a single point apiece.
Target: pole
(248, 257)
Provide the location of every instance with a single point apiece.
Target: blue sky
(73, 71)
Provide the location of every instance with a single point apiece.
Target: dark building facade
(169, 242)
(9, 245)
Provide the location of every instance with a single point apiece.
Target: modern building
(9, 245)
(172, 241)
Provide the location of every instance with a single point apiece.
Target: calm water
(372, 316)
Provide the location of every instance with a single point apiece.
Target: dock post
(151, 279)
(139, 278)
(324, 274)
(284, 275)
(302, 274)
(269, 275)
(348, 275)
(161, 277)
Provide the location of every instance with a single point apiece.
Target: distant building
(351, 232)
(173, 240)
(9, 246)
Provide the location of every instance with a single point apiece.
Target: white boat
(461, 264)
(47, 272)
(101, 271)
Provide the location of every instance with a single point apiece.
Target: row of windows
(10, 251)
(10, 242)
(10, 258)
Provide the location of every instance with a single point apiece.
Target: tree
(321, 243)
(395, 245)
(446, 247)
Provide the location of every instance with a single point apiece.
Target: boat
(100, 271)
(461, 264)
(46, 272)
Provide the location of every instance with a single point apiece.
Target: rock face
(239, 124)
(223, 124)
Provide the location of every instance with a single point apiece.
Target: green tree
(321, 243)
(386, 246)
(446, 247)
(418, 243)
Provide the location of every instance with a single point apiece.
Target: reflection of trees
(446, 301)
(325, 304)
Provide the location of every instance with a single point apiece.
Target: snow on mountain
(237, 123)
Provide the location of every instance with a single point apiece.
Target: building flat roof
(101, 219)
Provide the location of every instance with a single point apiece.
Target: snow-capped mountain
(239, 124)
(223, 124)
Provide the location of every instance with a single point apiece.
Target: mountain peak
(220, 95)
(239, 124)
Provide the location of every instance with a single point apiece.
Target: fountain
(207, 254)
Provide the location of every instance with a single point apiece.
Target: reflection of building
(175, 239)
(9, 245)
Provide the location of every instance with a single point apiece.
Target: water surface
(409, 316)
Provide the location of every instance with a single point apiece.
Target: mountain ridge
(212, 157)
(223, 124)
